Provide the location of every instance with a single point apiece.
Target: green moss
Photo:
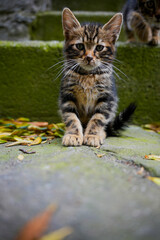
(140, 64)
(30, 89)
(48, 25)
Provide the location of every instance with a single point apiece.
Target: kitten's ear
(113, 27)
(69, 22)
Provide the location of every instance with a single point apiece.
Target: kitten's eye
(99, 48)
(150, 4)
(80, 46)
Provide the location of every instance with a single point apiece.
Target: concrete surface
(101, 198)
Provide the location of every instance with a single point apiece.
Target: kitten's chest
(86, 93)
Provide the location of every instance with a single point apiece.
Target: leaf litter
(152, 127)
(35, 227)
(154, 179)
(153, 157)
(22, 131)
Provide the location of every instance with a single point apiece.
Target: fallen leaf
(100, 155)
(58, 235)
(153, 157)
(153, 126)
(154, 179)
(27, 152)
(38, 140)
(20, 157)
(39, 124)
(2, 141)
(19, 141)
(22, 119)
(22, 131)
(37, 225)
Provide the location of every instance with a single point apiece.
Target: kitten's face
(91, 45)
(151, 11)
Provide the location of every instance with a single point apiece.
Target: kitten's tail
(120, 122)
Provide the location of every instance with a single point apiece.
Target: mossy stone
(47, 26)
(30, 89)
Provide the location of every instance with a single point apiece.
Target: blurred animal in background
(142, 20)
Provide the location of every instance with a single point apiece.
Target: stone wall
(16, 15)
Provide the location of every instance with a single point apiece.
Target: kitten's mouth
(89, 66)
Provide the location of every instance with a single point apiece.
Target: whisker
(116, 74)
(120, 71)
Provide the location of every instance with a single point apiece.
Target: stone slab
(101, 198)
(47, 26)
(29, 86)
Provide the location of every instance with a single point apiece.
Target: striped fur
(142, 20)
(88, 99)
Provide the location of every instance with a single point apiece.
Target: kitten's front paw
(153, 42)
(72, 140)
(93, 140)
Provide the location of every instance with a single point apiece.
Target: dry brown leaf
(39, 124)
(37, 225)
(58, 234)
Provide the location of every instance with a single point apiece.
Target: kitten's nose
(89, 58)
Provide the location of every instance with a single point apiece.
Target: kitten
(142, 18)
(88, 99)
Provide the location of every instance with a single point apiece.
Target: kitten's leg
(74, 131)
(95, 132)
(130, 36)
(141, 27)
(155, 37)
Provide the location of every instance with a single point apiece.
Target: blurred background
(31, 38)
(19, 20)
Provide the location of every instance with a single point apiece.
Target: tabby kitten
(142, 19)
(88, 99)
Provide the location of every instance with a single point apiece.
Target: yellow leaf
(100, 155)
(20, 157)
(58, 235)
(154, 179)
(37, 225)
(22, 119)
(38, 140)
(2, 141)
(5, 134)
(153, 157)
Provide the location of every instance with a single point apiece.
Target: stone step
(30, 89)
(100, 198)
(92, 5)
(47, 26)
